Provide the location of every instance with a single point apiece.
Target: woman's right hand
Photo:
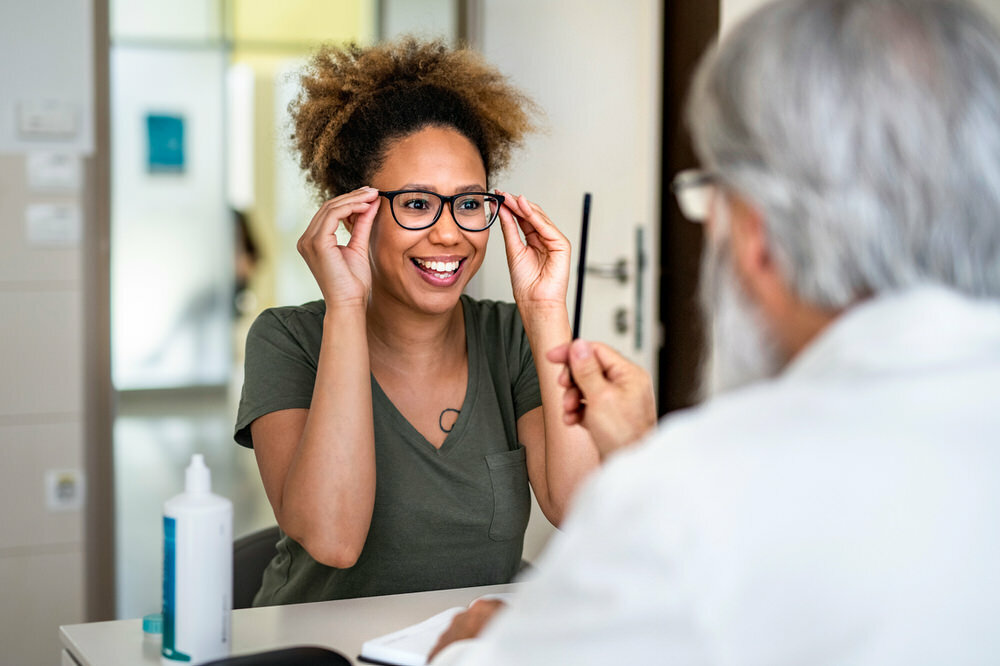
(342, 272)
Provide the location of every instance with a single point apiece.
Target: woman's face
(429, 268)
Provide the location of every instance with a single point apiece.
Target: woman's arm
(559, 455)
(318, 465)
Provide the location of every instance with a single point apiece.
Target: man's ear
(754, 258)
(793, 321)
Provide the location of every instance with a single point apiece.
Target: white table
(339, 625)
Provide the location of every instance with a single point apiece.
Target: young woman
(397, 422)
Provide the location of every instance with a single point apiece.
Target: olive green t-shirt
(443, 518)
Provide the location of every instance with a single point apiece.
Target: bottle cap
(152, 623)
(197, 477)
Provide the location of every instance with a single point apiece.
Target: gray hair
(867, 132)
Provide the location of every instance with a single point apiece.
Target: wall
(47, 50)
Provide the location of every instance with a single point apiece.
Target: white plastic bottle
(197, 571)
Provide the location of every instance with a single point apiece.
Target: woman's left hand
(539, 265)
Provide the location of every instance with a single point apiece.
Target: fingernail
(580, 349)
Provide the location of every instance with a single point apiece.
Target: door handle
(617, 271)
(640, 276)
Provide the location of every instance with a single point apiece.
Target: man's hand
(467, 624)
(606, 393)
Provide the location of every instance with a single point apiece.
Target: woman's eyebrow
(474, 187)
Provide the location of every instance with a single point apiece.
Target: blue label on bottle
(169, 589)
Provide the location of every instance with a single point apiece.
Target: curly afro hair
(356, 100)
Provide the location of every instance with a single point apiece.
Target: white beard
(739, 348)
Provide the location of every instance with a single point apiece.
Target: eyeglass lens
(417, 210)
(694, 192)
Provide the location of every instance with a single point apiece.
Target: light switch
(46, 119)
(54, 224)
(49, 171)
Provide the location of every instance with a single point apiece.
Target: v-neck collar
(405, 428)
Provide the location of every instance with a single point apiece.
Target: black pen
(581, 265)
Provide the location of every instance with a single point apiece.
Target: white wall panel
(42, 590)
(41, 353)
(32, 449)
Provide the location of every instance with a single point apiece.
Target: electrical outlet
(64, 489)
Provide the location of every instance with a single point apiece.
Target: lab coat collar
(918, 329)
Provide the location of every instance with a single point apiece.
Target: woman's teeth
(442, 268)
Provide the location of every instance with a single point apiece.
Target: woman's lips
(439, 273)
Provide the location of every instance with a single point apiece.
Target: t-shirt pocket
(511, 498)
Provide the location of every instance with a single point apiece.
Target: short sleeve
(282, 352)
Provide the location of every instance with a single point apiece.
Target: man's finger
(585, 367)
(571, 401)
(558, 354)
(565, 379)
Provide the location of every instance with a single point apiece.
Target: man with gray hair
(835, 498)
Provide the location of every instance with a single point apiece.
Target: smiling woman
(397, 423)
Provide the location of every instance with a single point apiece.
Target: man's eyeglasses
(694, 190)
(419, 209)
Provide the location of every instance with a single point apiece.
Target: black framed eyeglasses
(419, 209)
(694, 190)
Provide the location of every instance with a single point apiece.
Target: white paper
(410, 646)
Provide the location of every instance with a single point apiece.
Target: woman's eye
(470, 204)
(417, 204)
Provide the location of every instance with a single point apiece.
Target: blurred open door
(595, 69)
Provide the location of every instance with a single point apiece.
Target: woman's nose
(446, 230)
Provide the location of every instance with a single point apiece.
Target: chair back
(251, 555)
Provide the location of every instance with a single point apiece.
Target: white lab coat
(847, 512)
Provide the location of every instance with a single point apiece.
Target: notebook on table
(411, 645)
